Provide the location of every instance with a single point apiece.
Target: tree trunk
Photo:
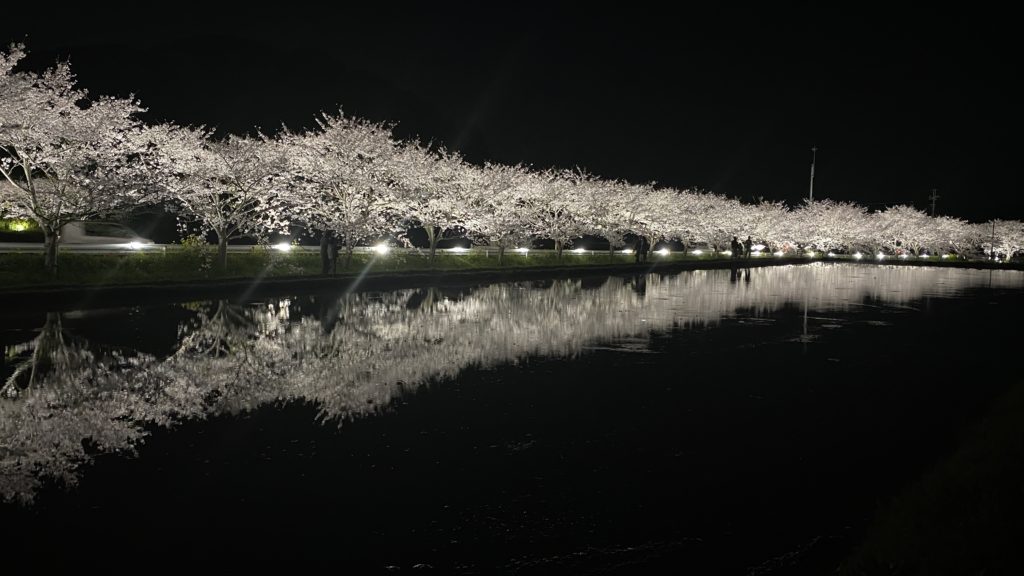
(501, 255)
(432, 237)
(348, 256)
(611, 252)
(222, 252)
(325, 254)
(51, 239)
(558, 249)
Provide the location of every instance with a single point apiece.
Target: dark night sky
(725, 99)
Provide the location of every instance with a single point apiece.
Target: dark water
(699, 422)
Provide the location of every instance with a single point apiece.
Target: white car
(102, 233)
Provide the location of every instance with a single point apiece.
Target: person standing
(747, 245)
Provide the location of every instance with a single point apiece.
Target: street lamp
(814, 155)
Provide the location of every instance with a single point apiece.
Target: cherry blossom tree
(341, 179)
(231, 187)
(555, 208)
(828, 224)
(64, 157)
(432, 188)
(497, 203)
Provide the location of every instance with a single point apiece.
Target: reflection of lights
(779, 254)
(696, 252)
(579, 250)
(831, 254)
(880, 256)
(522, 250)
(283, 247)
(858, 255)
(758, 247)
(626, 251)
(135, 245)
(663, 251)
(459, 249)
(381, 248)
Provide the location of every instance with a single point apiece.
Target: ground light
(135, 245)
(696, 252)
(579, 250)
(458, 249)
(283, 247)
(727, 252)
(523, 250)
(626, 251)
(812, 254)
(831, 254)
(858, 255)
(664, 251)
(381, 248)
(880, 256)
(779, 254)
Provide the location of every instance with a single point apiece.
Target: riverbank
(97, 280)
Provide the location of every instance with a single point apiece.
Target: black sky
(722, 99)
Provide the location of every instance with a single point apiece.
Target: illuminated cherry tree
(555, 208)
(497, 202)
(432, 190)
(341, 179)
(63, 156)
(231, 187)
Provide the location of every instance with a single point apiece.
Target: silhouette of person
(328, 252)
(747, 244)
(736, 247)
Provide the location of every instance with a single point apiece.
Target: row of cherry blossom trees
(65, 156)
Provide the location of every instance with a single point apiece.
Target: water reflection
(67, 397)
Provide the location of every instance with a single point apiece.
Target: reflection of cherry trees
(62, 401)
(362, 351)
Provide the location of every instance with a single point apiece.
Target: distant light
(756, 253)
(699, 252)
(459, 249)
(945, 255)
(858, 255)
(522, 250)
(922, 255)
(579, 250)
(19, 226)
(135, 245)
(758, 247)
(381, 248)
(831, 254)
(664, 251)
(904, 256)
(283, 247)
(626, 251)
(880, 256)
(726, 252)
(812, 254)
(779, 253)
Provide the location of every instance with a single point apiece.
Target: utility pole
(933, 198)
(814, 156)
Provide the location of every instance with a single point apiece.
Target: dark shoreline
(97, 296)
